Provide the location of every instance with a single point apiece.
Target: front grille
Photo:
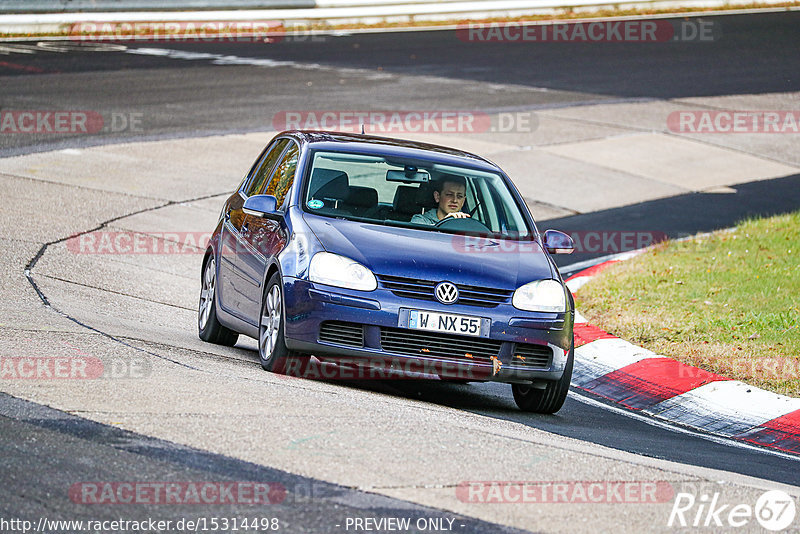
(408, 287)
(533, 356)
(412, 288)
(443, 346)
(341, 333)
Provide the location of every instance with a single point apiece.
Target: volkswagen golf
(392, 257)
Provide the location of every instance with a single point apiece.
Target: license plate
(444, 322)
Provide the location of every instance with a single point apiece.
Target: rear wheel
(208, 326)
(549, 399)
(272, 350)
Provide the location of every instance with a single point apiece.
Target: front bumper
(381, 312)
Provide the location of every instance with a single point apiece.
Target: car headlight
(334, 270)
(541, 296)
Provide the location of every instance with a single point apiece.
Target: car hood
(431, 255)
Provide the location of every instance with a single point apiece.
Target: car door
(233, 285)
(266, 236)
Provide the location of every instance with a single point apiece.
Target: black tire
(272, 350)
(551, 398)
(209, 328)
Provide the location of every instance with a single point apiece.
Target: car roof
(370, 144)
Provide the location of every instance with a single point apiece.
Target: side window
(283, 177)
(261, 175)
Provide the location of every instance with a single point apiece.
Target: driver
(449, 197)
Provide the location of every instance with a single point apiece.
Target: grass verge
(727, 302)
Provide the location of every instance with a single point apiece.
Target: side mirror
(558, 242)
(260, 205)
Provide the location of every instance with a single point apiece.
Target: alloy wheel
(270, 322)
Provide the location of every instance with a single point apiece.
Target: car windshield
(412, 193)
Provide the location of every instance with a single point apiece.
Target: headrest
(362, 196)
(425, 195)
(330, 183)
(405, 200)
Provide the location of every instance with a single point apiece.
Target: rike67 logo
(774, 510)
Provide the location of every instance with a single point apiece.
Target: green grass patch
(728, 302)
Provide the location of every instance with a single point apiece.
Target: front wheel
(549, 399)
(209, 328)
(272, 350)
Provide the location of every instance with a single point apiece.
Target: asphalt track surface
(187, 98)
(108, 453)
(180, 97)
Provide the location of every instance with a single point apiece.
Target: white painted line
(672, 428)
(604, 356)
(615, 353)
(220, 59)
(725, 407)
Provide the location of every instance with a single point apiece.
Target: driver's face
(452, 197)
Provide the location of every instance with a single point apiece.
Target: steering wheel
(467, 224)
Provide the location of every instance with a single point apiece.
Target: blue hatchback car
(389, 258)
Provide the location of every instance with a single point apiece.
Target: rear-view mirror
(409, 176)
